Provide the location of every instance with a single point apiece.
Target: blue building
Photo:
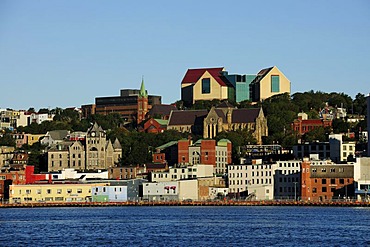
(240, 90)
(109, 193)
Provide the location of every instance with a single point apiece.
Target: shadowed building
(131, 104)
(209, 124)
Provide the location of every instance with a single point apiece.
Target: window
(323, 189)
(332, 181)
(79, 191)
(314, 190)
(323, 181)
(48, 191)
(341, 181)
(275, 84)
(206, 85)
(59, 191)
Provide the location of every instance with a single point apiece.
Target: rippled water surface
(185, 226)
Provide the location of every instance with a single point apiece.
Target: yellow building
(32, 138)
(51, 192)
(269, 82)
(204, 84)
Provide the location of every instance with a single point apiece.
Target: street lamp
(295, 191)
(365, 187)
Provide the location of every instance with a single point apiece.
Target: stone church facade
(223, 118)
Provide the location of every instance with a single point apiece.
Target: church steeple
(143, 93)
(142, 103)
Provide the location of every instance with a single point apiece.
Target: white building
(361, 176)
(73, 174)
(256, 178)
(287, 179)
(183, 172)
(214, 192)
(161, 191)
(40, 117)
(188, 190)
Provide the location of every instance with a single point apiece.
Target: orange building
(326, 181)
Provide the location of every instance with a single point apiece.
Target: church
(219, 119)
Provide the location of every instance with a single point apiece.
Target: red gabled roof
(193, 75)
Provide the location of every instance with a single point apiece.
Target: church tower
(142, 103)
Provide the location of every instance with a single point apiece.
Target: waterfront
(185, 226)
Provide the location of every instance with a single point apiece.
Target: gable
(192, 76)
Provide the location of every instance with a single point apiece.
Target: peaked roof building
(210, 123)
(268, 82)
(217, 83)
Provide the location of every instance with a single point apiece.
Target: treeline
(280, 110)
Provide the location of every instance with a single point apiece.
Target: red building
(206, 152)
(303, 126)
(323, 182)
(154, 126)
(32, 178)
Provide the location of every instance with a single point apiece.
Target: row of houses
(12, 119)
(308, 180)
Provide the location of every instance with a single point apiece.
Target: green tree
(7, 140)
(340, 126)
(318, 134)
(359, 104)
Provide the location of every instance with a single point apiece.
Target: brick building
(323, 181)
(303, 125)
(206, 152)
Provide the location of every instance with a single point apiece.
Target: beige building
(6, 154)
(95, 153)
(31, 193)
(204, 84)
(183, 172)
(268, 82)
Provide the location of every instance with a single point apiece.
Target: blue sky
(65, 53)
